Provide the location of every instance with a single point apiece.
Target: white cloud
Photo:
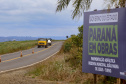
(36, 18)
(27, 6)
(23, 9)
(97, 4)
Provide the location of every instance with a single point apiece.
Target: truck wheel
(46, 46)
(50, 44)
(38, 46)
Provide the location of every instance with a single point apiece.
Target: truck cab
(42, 42)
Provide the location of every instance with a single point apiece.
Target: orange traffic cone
(21, 54)
(32, 51)
(0, 58)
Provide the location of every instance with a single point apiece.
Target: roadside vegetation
(67, 65)
(13, 46)
(73, 45)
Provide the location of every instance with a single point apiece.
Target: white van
(49, 42)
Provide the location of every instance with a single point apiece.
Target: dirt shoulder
(20, 77)
(54, 70)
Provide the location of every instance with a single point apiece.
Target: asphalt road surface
(13, 61)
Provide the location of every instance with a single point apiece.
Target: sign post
(104, 43)
(95, 78)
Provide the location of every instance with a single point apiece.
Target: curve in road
(14, 61)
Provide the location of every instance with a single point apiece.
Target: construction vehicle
(42, 42)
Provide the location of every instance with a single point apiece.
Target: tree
(79, 6)
(80, 29)
(66, 36)
(78, 39)
(115, 3)
(122, 3)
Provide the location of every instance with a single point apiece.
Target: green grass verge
(60, 67)
(66, 66)
(13, 46)
(56, 69)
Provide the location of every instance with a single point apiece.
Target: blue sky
(38, 18)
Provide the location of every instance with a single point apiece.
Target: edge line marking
(28, 65)
(28, 54)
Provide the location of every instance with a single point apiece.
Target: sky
(38, 18)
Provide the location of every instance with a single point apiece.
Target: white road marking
(28, 54)
(28, 65)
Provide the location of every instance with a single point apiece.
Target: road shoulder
(19, 76)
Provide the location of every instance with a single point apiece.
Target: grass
(65, 66)
(59, 68)
(13, 46)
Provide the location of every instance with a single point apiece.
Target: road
(13, 61)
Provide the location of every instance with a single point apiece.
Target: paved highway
(13, 61)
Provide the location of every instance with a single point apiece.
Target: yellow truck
(42, 42)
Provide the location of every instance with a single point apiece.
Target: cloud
(97, 4)
(15, 7)
(36, 18)
(29, 8)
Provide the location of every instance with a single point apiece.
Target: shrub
(67, 47)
